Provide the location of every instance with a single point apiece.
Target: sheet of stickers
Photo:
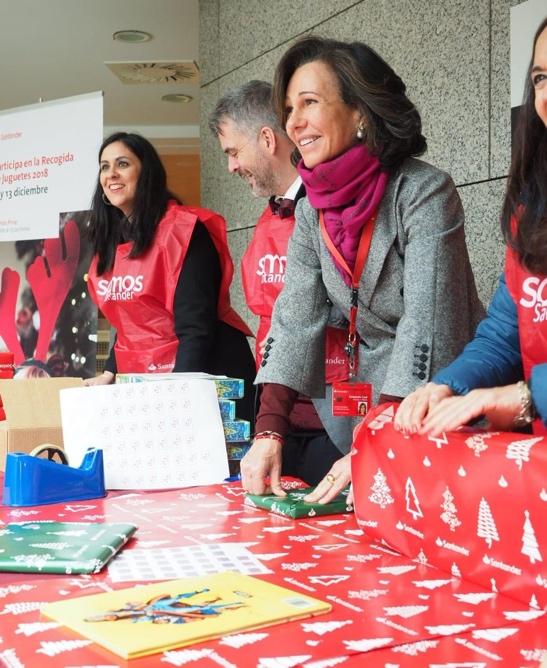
(388, 610)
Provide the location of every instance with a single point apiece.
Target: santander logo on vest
(536, 289)
(271, 268)
(120, 288)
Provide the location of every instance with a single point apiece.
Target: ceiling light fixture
(132, 36)
(177, 97)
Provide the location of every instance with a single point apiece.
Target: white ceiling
(52, 49)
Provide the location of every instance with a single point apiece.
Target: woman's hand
(499, 405)
(333, 483)
(106, 378)
(418, 405)
(263, 461)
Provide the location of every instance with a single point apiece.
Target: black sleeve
(195, 303)
(110, 364)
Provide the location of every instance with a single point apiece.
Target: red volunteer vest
(136, 295)
(529, 293)
(263, 277)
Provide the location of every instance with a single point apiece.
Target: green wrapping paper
(60, 547)
(293, 505)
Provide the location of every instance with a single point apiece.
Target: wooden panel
(183, 176)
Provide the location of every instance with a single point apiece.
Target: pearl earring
(360, 130)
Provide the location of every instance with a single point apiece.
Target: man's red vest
(529, 293)
(137, 294)
(263, 277)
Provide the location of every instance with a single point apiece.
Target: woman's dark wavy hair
(393, 129)
(527, 183)
(152, 195)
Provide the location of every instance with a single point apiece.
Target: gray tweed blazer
(418, 304)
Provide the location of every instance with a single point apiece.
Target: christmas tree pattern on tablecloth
(415, 648)
(430, 584)
(52, 648)
(494, 635)
(367, 644)
(238, 640)
(283, 661)
(486, 527)
(320, 628)
(455, 570)
(405, 611)
(35, 627)
(475, 598)
(367, 594)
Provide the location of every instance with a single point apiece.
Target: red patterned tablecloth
(388, 610)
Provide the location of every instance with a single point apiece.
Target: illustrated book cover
(145, 620)
(61, 547)
(294, 506)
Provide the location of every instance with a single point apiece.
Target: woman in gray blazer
(378, 249)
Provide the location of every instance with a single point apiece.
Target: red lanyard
(351, 347)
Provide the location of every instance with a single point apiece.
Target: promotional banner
(47, 319)
(48, 164)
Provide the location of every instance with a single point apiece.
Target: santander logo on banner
(536, 290)
(120, 288)
(271, 268)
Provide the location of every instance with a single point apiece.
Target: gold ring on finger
(330, 479)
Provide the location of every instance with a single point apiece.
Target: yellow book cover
(154, 618)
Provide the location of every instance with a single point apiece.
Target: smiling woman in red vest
(502, 373)
(161, 273)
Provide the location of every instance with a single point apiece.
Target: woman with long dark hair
(378, 250)
(502, 373)
(161, 273)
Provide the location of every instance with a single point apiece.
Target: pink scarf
(349, 189)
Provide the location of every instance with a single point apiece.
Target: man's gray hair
(249, 106)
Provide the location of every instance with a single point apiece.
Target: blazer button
(421, 375)
(266, 355)
(424, 348)
(263, 363)
(267, 347)
(269, 340)
(423, 358)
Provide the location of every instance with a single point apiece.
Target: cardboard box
(33, 414)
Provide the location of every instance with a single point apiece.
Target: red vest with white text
(263, 277)
(137, 294)
(529, 293)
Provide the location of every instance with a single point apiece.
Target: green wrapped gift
(61, 547)
(294, 506)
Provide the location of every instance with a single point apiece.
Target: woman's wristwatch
(527, 412)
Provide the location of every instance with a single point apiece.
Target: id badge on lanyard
(351, 398)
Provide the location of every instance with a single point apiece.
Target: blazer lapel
(383, 237)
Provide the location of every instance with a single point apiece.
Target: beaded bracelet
(269, 434)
